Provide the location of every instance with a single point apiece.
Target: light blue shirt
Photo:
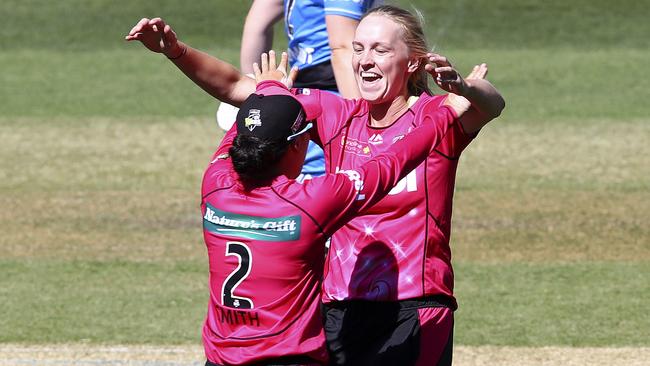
(304, 23)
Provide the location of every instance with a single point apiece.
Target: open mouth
(369, 77)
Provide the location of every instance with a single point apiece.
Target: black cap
(271, 117)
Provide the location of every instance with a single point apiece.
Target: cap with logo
(272, 117)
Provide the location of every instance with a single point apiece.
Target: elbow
(485, 98)
(340, 49)
(497, 106)
(500, 106)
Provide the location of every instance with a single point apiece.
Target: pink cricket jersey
(399, 249)
(266, 246)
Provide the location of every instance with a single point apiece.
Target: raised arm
(218, 78)
(486, 102)
(257, 36)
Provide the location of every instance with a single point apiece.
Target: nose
(365, 60)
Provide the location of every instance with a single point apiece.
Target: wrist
(468, 89)
(176, 51)
(270, 83)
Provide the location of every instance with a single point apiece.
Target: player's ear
(414, 64)
(301, 141)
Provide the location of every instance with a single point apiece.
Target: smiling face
(381, 60)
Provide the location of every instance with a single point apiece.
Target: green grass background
(103, 147)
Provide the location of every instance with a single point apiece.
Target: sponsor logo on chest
(354, 146)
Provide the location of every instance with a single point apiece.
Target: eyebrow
(375, 44)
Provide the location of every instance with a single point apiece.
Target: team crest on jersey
(284, 228)
(253, 120)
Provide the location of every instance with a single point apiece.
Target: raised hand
(478, 72)
(444, 74)
(156, 36)
(269, 71)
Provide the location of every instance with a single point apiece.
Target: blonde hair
(413, 37)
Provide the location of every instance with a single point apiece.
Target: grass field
(103, 146)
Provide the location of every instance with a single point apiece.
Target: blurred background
(103, 145)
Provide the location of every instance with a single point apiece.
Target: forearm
(342, 66)
(340, 33)
(218, 78)
(254, 43)
(484, 98)
(257, 36)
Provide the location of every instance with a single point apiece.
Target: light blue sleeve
(349, 8)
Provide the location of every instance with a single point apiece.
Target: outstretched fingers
(478, 72)
(293, 74)
(272, 60)
(284, 61)
(265, 62)
(267, 69)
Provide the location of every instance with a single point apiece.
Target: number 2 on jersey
(233, 280)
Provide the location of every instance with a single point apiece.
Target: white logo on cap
(253, 120)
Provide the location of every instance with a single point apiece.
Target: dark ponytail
(255, 159)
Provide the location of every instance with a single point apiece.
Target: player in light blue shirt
(319, 34)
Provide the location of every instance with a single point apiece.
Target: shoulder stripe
(446, 156)
(340, 11)
(320, 228)
(216, 190)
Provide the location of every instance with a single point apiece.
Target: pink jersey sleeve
(335, 112)
(226, 143)
(455, 140)
(220, 162)
(375, 178)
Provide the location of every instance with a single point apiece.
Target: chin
(376, 98)
(371, 96)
